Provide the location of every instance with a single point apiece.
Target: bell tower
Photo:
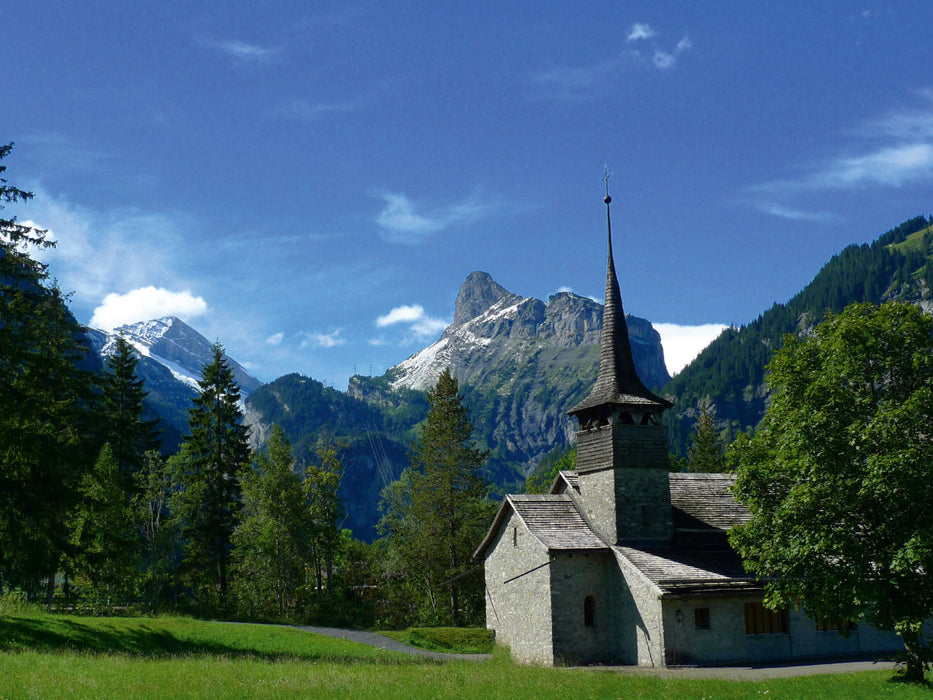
(622, 455)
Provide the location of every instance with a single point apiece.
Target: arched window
(589, 611)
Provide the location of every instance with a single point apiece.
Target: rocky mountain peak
(477, 293)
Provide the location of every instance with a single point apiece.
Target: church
(626, 563)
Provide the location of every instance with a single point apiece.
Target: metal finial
(605, 178)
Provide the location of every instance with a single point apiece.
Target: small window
(835, 626)
(514, 536)
(761, 620)
(701, 618)
(589, 611)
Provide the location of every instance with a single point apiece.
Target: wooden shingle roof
(705, 502)
(617, 382)
(691, 571)
(552, 519)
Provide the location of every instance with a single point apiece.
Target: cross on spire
(605, 178)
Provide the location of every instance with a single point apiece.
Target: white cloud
(401, 314)
(640, 31)
(323, 340)
(144, 304)
(793, 214)
(304, 110)
(420, 326)
(98, 252)
(275, 339)
(243, 51)
(683, 343)
(893, 151)
(891, 166)
(402, 223)
(663, 61)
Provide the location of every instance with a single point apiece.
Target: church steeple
(617, 383)
(622, 456)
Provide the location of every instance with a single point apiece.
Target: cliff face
(521, 364)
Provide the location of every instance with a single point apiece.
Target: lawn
(63, 656)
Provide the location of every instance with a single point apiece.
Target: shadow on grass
(45, 634)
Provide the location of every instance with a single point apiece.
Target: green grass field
(85, 657)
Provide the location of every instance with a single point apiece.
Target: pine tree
(130, 436)
(104, 533)
(705, 453)
(210, 465)
(272, 540)
(45, 407)
(436, 515)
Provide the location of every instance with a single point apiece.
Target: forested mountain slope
(730, 372)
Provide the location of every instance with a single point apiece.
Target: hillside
(731, 371)
(521, 364)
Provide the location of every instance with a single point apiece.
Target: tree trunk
(912, 645)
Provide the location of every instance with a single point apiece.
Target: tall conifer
(211, 463)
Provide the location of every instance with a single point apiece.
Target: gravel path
(383, 642)
(736, 673)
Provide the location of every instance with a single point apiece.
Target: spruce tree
(436, 515)
(45, 402)
(705, 453)
(210, 465)
(104, 533)
(129, 435)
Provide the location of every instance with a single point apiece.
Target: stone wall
(726, 641)
(643, 638)
(519, 611)
(627, 503)
(574, 577)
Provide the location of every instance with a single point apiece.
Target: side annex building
(626, 563)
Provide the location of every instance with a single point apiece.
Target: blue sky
(311, 183)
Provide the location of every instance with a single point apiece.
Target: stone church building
(624, 562)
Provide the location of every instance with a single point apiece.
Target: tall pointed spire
(617, 383)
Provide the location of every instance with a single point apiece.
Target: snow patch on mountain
(421, 370)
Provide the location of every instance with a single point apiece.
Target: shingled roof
(691, 571)
(617, 383)
(705, 502)
(553, 519)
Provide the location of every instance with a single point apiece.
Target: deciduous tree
(839, 478)
(272, 540)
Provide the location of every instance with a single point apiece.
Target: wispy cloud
(639, 32)
(242, 51)
(893, 151)
(275, 338)
(323, 340)
(419, 326)
(300, 109)
(591, 80)
(402, 221)
(146, 303)
(99, 253)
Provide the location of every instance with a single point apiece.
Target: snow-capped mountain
(179, 348)
(521, 363)
(171, 356)
(492, 325)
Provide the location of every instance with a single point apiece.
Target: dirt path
(382, 642)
